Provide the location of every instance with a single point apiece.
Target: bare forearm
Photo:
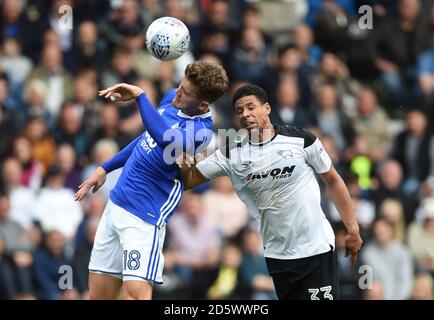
(342, 200)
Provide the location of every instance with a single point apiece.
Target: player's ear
(203, 106)
(268, 107)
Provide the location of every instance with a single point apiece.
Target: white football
(167, 38)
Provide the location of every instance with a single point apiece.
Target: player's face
(187, 100)
(251, 113)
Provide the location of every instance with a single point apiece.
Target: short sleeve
(216, 165)
(317, 157)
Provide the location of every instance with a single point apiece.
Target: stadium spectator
(390, 262)
(18, 247)
(70, 129)
(422, 287)
(82, 257)
(390, 187)
(288, 110)
(414, 150)
(420, 238)
(57, 80)
(227, 283)
(55, 208)
(42, 141)
(372, 123)
(48, 260)
(195, 243)
(224, 208)
(396, 44)
(329, 118)
(67, 161)
(256, 282)
(21, 198)
(102, 151)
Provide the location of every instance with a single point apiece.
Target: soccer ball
(167, 38)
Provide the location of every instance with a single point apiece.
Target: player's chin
(176, 104)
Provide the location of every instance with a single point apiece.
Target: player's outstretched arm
(190, 175)
(151, 118)
(96, 180)
(342, 200)
(121, 92)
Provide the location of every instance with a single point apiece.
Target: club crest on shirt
(285, 153)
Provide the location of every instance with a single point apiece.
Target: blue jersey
(148, 186)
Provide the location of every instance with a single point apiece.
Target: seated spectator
(109, 129)
(70, 127)
(390, 261)
(224, 208)
(254, 277)
(303, 40)
(421, 238)
(422, 287)
(390, 182)
(372, 123)
(32, 169)
(82, 257)
(18, 248)
(102, 151)
(393, 211)
(22, 199)
(67, 161)
(43, 144)
(396, 44)
(34, 102)
(226, 285)
(57, 80)
(287, 109)
(348, 276)
(413, 149)
(47, 261)
(55, 206)
(333, 71)
(330, 119)
(194, 245)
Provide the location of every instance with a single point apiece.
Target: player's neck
(195, 112)
(261, 135)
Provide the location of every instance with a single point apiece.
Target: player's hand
(96, 180)
(185, 161)
(121, 92)
(353, 244)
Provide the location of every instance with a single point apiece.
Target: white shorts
(127, 247)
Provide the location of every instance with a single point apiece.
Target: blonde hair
(397, 226)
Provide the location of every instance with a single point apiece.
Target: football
(167, 38)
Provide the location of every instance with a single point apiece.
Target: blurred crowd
(367, 93)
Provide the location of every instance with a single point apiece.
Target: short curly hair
(209, 79)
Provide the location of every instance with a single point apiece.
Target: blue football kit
(149, 186)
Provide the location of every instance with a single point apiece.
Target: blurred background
(366, 92)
